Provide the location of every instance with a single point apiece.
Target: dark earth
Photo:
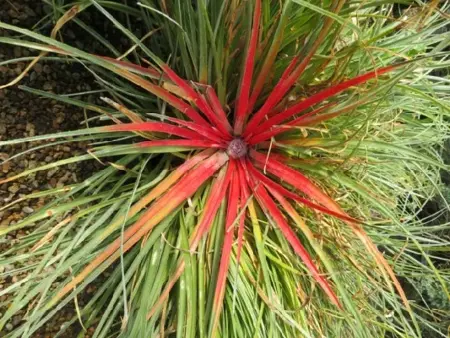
(24, 114)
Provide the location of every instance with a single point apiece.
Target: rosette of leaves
(264, 165)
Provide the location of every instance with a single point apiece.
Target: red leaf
(165, 95)
(280, 129)
(245, 196)
(246, 81)
(207, 132)
(232, 213)
(321, 96)
(197, 99)
(266, 68)
(160, 127)
(182, 190)
(153, 73)
(180, 143)
(271, 185)
(274, 97)
(213, 202)
(217, 107)
(295, 179)
(270, 208)
(303, 184)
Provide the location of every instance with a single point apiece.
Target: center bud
(237, 148)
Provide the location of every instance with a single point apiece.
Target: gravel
(24, 114)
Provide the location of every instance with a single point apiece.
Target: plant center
(237, 148)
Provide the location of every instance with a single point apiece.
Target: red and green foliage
(237, 149)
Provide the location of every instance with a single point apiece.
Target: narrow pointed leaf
(197, 99)
(303, 184)
(276, 130)
(199, 143)
(232, 213)
(213, 202)
(270, 208)
(247, 76)
(295, 179)
(271, 185)
(164, 95)
(286, 83)
(266, 68)
(321, 96)
(159, 127)
(155, 214)
(207, 132)
(217, 107)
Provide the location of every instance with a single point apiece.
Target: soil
(23, 114)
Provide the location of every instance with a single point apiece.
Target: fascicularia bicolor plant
(231, 211)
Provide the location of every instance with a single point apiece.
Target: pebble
(27, 210)
(6, 166)
(13, 188)
(47, 69)
(16, 320)
(38, 68)
(32, 164)
(48, 86)
(52, 172)
(30, 128)
(25, 114)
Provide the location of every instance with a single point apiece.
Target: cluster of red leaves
(235, 157)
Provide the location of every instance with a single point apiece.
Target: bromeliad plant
(260, 127)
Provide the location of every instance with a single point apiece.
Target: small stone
(38, 68)
(52, 172)
(13, 13)
(17, 52)
(27, 210)
(29, 11)
(30, 128)
(47, 69)
(16, 320)
(18, 69)
(48, 86)
(6, 166)
(9, 327)
(32, 164)
(13, 189)
(59, 119)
